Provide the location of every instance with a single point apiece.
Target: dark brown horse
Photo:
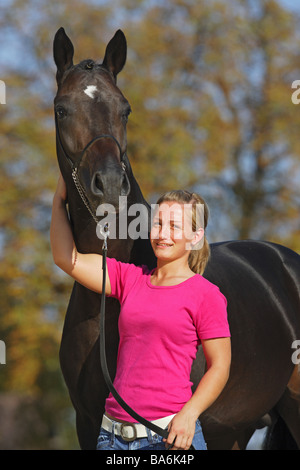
(260, 280)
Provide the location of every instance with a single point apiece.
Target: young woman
(165, 314)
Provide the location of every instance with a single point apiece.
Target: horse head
(91, 114)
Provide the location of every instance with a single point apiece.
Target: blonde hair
(200, 254)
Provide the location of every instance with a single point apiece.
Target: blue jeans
(109, 441)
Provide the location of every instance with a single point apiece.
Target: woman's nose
(164, 231)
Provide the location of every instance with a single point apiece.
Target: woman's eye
(155, 224)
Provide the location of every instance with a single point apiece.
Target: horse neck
(136, 195)
(141, 251)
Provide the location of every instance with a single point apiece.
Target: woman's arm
(218, 357)
(84, 268)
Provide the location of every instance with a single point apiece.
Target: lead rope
(156, 429)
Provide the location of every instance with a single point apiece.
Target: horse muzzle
(103, 183)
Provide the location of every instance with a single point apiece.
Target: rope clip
(105, 234)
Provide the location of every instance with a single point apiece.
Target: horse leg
(232, 441)
(288, 406)
(85, 432)
(243, 438)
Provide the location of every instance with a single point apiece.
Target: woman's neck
(171, 272)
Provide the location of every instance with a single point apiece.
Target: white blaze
(90, 90)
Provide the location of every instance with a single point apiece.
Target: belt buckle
(128, 439)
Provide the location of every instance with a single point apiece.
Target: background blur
(209, 83)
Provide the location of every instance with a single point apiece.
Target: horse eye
(126, 115)
(60, 112)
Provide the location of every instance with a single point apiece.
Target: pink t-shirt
(160, 330)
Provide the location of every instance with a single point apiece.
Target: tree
(218, 74)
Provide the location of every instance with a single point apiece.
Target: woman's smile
(163, 245)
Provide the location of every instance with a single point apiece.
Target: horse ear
(63, 52)
(115, 54)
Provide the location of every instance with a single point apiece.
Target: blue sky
(293, 5)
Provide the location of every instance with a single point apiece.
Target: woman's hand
(181, 431)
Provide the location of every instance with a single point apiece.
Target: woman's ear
(197, 238)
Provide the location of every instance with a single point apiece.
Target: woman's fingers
(176, 442)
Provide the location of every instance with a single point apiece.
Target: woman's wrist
(194, 407)
(61, 236)
(190, 411)
(58, 200)
(60, 195)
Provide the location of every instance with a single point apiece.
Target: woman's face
(171, 233)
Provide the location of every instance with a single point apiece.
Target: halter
(75, 165)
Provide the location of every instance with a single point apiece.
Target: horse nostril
(102, 186)
(97, 185)
(125, 185)
(98, 182)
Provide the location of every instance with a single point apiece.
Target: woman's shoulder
(207, 291)
(204, 283)
(127, 267)
(124, 276)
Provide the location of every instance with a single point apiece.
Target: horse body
(260, 280)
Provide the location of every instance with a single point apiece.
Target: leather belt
(131, 431)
